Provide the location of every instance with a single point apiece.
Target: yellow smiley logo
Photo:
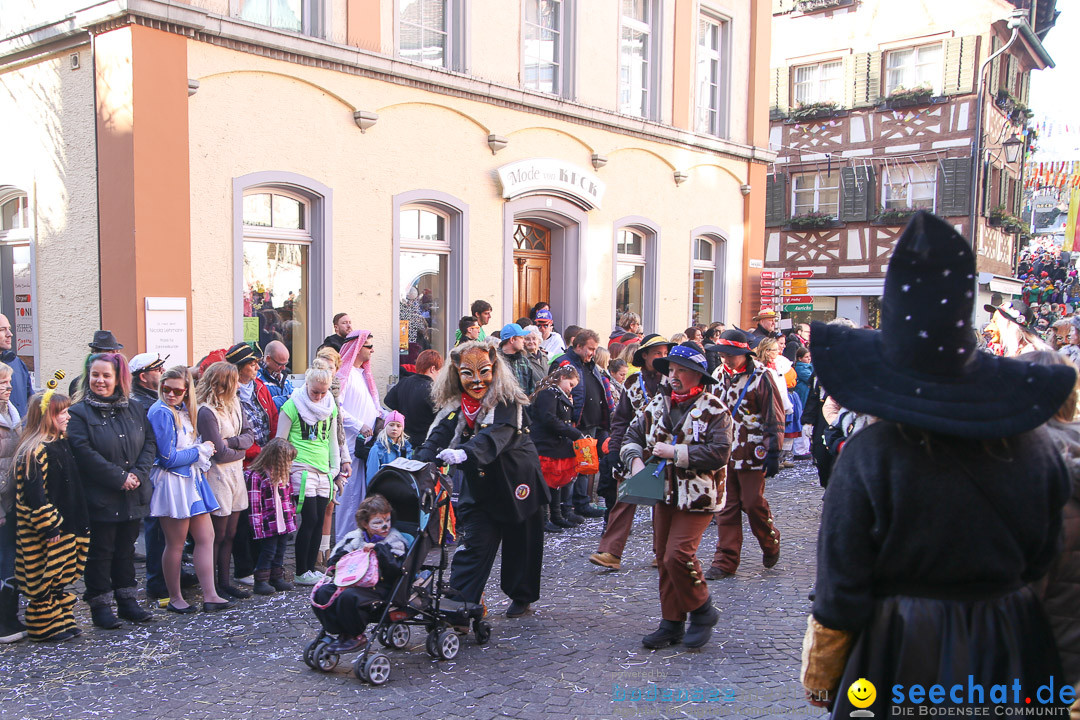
(862, 693)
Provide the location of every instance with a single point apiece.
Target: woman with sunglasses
(182, 498)
(362, 415)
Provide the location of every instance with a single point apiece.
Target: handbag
(588, 460)
(360, 568)
(646, 487)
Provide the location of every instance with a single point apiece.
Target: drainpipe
(1016, 19)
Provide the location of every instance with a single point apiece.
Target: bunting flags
(1063, 175)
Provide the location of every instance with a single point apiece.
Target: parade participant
(550, 340)
(329, 359)
(342, 328)
(482, 427)
(757, 414)
(274, 371)
(1013, 321)
(553, 434)
(640, 388)
(221, 421)
(114, 448)
(766, 326)
(182, 499)
(11, 630)
(391, 444)
(362, 416)
(307, 421)
(928, 539)
(688, 429)
(53, 523)
(146, 370)
(273, 514)
(1071, 349)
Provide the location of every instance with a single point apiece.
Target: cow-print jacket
(696, 480)
(758, 420)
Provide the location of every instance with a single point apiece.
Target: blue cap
(510, 331)
(687, 356)
(545, 314)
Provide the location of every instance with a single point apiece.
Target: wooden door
(532, 267)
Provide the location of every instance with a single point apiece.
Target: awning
(1001, 284)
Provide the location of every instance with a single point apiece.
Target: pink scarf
(353, 343)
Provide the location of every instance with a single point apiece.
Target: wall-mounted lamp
(497, 143)
(365, 119)
(192, 87)
(1012, 149)
(598, 161)
(744, 189)
(680, 177)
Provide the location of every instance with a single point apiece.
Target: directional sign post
(799, 307)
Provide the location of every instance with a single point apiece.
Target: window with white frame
(702, 281)
(818, 83)
(547, 47)
(816, 193)
(277, 292)
(303, 16)
(630, 267)
(710, 54)
(638, 58)
(429, 32)
(423, 280)
(16, 272)
(909, 185)
(917, 67)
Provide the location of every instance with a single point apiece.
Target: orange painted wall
(143, 189)
(758, 136)
(364, 22)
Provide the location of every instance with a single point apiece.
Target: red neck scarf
(470, 408)
(693, 393)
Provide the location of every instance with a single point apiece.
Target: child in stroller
(345, 611)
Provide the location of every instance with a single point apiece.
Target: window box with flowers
(1000, 217)
(812, 221)
(894, 216)
(815, 111)
(1017, 112)
(903, 97)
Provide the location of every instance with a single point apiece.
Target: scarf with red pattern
(679, 399)
(470, 408)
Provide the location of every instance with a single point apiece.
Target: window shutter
(849, 80)
(994, 74)
(1025, 87)
(960, 64)
(1010, 74)
(867, 82)
(775, 195)
(953, 187)
(873, 79)
(856, 193)
(778, 93)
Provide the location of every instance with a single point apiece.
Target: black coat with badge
(553, 432)
(502, 472)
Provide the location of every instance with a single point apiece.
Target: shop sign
(549, 175)
(24, 309)
(167, 328)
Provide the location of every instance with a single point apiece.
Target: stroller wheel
(449, 644)
(396, 636)
(309, 651)
(375, 669)
(324, 659)
(432, 644)
(483, 632)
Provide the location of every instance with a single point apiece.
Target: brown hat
(765, 314)
(240, 354)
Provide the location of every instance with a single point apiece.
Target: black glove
(772, 464)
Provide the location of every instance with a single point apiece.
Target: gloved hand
(772, 464)
(206, 449)
(452, 456)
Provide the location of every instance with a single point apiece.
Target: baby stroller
(417, 492)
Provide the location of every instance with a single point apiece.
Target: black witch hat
(923, 368)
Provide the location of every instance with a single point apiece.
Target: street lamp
(1012, 149)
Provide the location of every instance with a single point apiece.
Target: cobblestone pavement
(578, 655)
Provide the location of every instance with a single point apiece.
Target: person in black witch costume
(937, 516)
(482, 427)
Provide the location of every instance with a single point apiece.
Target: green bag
(645, 488)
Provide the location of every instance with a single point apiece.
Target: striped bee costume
(49, 504)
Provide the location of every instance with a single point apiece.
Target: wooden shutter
(1025, 87)
(849, 80)
(954, 187)
(778, 92)
(857, 192)
(960, 56)
(867, 84)
(1010, 75)
(995, 81)
(775, 199)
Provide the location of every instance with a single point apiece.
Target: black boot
(262, 583)
(669, 633)
(701, 625)
(11, 630)
(127, 606)
(557, 517)
(571, 517)
(102, 614)
(548, 525)
(278, 581)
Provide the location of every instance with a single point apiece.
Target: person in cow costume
(688, 429)
(482, 427)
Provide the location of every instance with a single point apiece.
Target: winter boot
(278, 581)
(101, 613)
(701, 625)
(557, 518)
(669, 633)
(11, 630)
(127, 606)
(262, 584)
(548, 525)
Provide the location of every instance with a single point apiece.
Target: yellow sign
(403, 336)
(862, 693)
(1070, 225)
(797, 286)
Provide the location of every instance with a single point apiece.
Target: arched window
(636, 251)
(707, 263)
(16, 272)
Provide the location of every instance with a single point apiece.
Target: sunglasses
(166, 390)
(369, 347)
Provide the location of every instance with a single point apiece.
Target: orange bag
(588, 459)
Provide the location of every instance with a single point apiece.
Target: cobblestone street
(578, 655)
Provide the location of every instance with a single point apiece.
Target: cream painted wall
(49, 126)
(737, 12)
(598, 50)
(253, 114)
(495, 40)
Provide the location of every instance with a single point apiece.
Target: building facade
(874, 108)
(194, 174)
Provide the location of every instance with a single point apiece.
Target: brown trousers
(620, 522)
(745, 494)
(676, 535)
